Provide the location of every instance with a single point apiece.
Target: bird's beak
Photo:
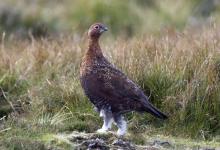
(103, 29)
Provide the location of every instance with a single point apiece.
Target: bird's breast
(90, 66)
(86, 66)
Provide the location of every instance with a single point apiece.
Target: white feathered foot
(107, 118)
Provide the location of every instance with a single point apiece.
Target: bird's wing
(108, 85)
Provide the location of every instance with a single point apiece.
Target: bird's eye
(96, 27)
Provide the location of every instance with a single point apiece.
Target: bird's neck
(94, 48)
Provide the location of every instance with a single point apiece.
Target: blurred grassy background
(129, 17)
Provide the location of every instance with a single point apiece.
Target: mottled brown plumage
(107, 87)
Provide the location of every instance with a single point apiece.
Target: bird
(111, 92)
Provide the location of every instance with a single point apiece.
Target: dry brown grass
(179, 70)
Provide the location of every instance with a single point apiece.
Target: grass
(178, 70)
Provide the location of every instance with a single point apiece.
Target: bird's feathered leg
(121, 124)
(107, 118)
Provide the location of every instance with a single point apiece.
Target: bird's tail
(155, 112)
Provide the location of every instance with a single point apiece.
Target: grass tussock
(179, 71)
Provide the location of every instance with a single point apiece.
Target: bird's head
(96, 30)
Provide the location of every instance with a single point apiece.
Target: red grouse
(110, 90)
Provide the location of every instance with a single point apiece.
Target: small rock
(123, 144)
(162, 143)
